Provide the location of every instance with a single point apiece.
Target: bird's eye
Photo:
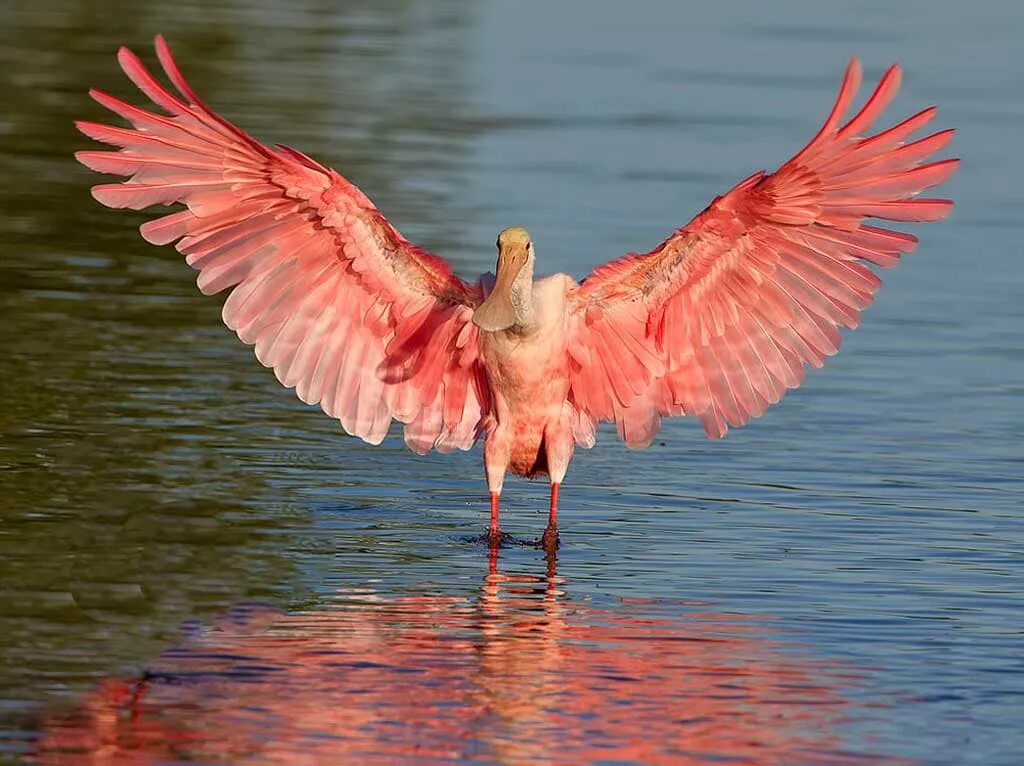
(529, 246)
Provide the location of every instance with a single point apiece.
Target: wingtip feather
(847, 90)
(106, 194)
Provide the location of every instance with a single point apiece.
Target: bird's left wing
(339, 303)
(721, 318)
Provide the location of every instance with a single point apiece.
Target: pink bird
(717, 321)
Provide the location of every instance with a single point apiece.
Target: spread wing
(721, 318)
(342, 306)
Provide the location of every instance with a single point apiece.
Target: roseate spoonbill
(717, 321)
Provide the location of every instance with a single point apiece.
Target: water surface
(842, 579)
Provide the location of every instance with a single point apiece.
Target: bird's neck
(521, 298)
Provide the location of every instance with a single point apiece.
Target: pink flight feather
(757, 285)
(308, 257)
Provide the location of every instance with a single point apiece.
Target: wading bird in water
(716, 322)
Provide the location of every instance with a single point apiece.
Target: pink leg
(550, 538)
(559, 452)
(495, 463)
(495, 530)
(553, 509)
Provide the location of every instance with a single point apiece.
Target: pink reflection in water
(518, 675)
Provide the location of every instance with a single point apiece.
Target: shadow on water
(520, 672)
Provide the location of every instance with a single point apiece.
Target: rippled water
(193, 565)
(517, 672)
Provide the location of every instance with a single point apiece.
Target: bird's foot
(549, 540)
(495, 538)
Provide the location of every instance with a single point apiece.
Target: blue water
(840, 581)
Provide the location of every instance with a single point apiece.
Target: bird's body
(528, 374)
(716, 322)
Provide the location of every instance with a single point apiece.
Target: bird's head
(509, 303)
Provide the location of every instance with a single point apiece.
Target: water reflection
(520, 673)
(142, 449)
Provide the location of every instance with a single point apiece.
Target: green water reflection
(126, 508)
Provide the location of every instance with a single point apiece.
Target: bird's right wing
(721, 318)
(342, 306)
